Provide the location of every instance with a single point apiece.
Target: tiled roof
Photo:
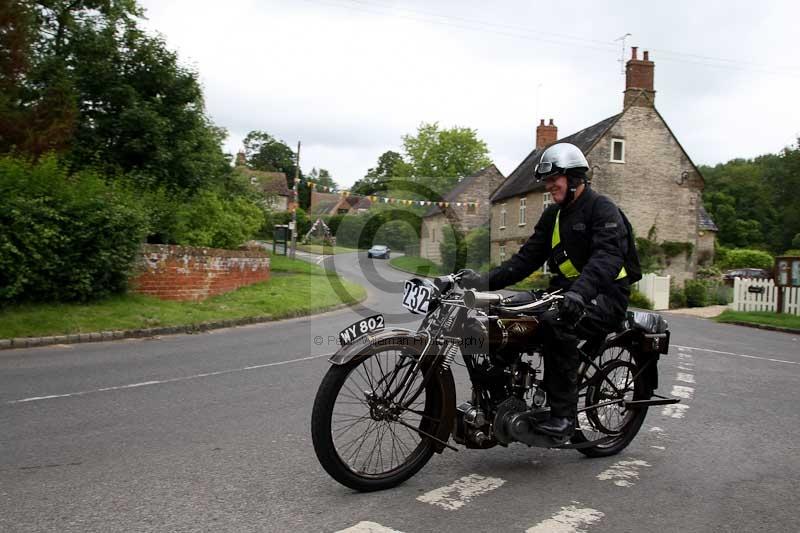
(521, 181)
(269, 182)
(704, 221)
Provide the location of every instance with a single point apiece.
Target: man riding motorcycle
(587, 243)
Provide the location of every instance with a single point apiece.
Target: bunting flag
(401, 201)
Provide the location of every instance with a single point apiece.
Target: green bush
(696, 293)
(677, 297)
(274, 218)
(537, 280)
(397, 234)
(208, 219)
(746, 258)
(639, 300)
(453, 249)
(478, 247)
(62, 237)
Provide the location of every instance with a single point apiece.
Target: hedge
(64, 237)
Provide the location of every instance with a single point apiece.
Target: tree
(265, 152)
(322, 178)
(390, 166)
(97, 88)
(441, 157)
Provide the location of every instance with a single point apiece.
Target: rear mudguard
(360, 349)
(645, 359)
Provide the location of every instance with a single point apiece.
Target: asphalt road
(210, 432)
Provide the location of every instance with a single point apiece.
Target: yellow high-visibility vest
(566, 267)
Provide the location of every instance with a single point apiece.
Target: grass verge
(285, 295)
(416, 265)
(782, 320)
(327, 250)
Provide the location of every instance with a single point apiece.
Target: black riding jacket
(595, 239)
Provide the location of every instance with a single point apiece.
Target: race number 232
(416, 297)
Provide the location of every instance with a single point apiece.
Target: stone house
(273, 185)
(277, 195)
(636, 160)
(467, 209)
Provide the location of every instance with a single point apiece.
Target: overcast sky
(349, 78)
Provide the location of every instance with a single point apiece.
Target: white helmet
(559, 158)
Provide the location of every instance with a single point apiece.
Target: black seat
(646, 321)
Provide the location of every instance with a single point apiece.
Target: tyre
(369, 256)
(601, 391)
(363, 436)
(387, 257)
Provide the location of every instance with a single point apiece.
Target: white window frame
(503, 216)
(547, 199)
(522, 207)
(502, 252)
(611, 155)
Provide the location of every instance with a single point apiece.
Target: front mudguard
(445, 387)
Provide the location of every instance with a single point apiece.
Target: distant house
(467, 209)
(336, 204)
(636, 160)
(276, 193)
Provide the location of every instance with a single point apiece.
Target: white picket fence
(656, 289)
(762, 295)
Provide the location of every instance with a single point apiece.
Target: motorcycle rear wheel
(616, 379)
(356, 426)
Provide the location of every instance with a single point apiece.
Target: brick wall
(189, 273)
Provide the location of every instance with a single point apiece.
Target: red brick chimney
(546, 135)
(638, 80)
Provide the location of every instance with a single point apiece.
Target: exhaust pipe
(476, 299)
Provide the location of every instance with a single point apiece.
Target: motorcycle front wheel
(366, 415)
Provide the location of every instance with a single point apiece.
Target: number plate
(360, 328)
(416, 297)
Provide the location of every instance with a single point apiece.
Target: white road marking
(458, 493)
(159, 382)
(686, 378)
(622, 472)
(569, 520)
(368, 527)
(675, 410)
(685, 356)
(680, 391)
(656, 429)
(686, 366)
(738, 355)
(658, 447)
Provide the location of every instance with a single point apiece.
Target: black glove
(472, 280)
(572, 307)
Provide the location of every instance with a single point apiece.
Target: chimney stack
(639, 80)
(241, 159)
(546, 134)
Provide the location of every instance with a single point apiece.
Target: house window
(522, 211)
(472, 209)
(502, 252)
(617, 151)
(502, 216)
(547, 199)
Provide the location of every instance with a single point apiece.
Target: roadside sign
(787, 271)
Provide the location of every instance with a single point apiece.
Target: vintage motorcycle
(388, 402)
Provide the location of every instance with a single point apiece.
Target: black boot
(556, 426)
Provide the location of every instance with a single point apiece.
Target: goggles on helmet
(545, 170)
